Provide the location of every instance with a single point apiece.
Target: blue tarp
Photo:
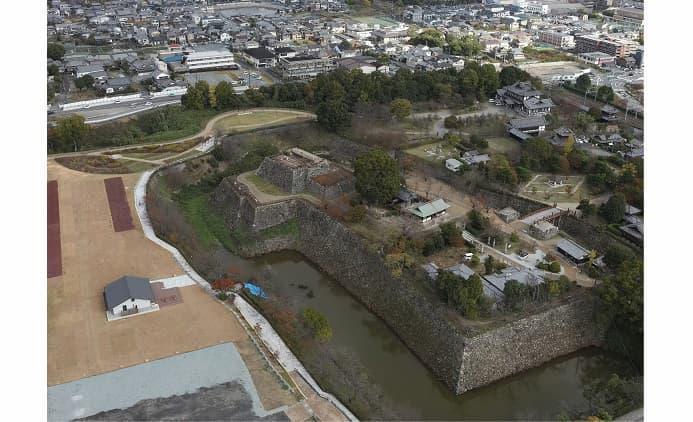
(255, 290)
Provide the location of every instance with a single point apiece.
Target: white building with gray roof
(127, 296)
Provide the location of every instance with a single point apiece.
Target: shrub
(222, 296)
(356, 214)
(318, 324)
(555, 267)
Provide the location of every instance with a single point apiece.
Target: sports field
(375, 20)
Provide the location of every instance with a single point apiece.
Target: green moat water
(541, 393)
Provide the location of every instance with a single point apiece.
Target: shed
(573, 251)
(129, 295)
(453, 165)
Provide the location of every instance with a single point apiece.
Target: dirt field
(556, 188)
(435, 152)
(80, 340)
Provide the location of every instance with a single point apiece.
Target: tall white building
(207, 60)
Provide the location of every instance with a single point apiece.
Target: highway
(103, 113)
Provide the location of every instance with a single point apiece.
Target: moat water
(541, 393)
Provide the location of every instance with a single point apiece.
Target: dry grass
(257, 119)
(99, 164)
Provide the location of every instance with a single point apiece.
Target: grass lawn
(136, 166)
(435, 152)
(288, 228)
(206, 222)
(256, 119)
(504, 145)
(264, 186)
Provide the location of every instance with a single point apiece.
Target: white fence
(100, 101)
(170, 92)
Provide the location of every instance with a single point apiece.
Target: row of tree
(337, 94)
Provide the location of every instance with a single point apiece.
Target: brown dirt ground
(81, 342)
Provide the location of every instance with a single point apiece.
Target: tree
(377, 176)
(86, 81)
(605, 93)
(400, 108)
(53, 69)
(621, 309)
(501, 171)
(467, 45)
(318, 324)
(614, 209)
(469, 81)
(451, 233)
(583, 120)
(55, 51)
(583, 82)
(203, 88)
(226, 96)
(586, 208)
(488, 79)
(511, 74)
(193, 99)
(71, 131)
(616, 255)
(332, 114)
(429, 37)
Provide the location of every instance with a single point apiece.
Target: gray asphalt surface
(177, 375)
(114, 110)
(228, 401)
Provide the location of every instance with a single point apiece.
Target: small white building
(453, 164)
(127, 296)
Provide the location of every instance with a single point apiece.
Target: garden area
(556, 188)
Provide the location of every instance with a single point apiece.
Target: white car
(148, 103)
(133, 105)
(86, 106)
(117, 101)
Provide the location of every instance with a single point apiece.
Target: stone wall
(527, 343)
(460, 358)
(280, 175)
(241, 209)
(500, 200)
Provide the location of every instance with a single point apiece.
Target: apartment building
(557, 39)
(611, 46)
(208, 60)
(304, 67)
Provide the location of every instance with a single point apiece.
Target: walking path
(266, 333)
(208, 130)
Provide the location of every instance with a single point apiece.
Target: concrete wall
(461, 358)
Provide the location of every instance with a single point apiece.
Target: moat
(540, 393)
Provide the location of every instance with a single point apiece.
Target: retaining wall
(463, 359)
